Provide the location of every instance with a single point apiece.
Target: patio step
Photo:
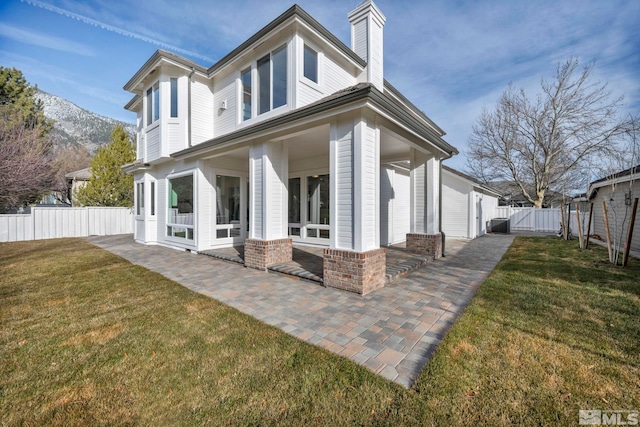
(294, 271)
(399, 270)
(223, 256)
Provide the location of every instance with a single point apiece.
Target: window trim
(306, 47)
(255, 86)
(319, 65)
(139, 198)
(152, 104)
(173, 96)
(168, 224)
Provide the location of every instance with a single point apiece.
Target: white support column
(355, 261)
(268, 241)
(425, 193)
(433, 195)
(354, 169)
(268, 176)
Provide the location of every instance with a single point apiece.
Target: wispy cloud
(44, 40)
(113, 29)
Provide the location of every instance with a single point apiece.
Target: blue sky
(450, 57)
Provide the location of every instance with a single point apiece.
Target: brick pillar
(261, 254)
(425, 244)
(360, 272)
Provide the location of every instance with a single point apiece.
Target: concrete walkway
(392, 331)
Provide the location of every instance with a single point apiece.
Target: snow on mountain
(77, 126)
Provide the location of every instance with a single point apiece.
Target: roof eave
(364, 92)
(154, 61)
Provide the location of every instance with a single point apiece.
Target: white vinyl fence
(538, 220)
(51, 223)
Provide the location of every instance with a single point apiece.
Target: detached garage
(467, 205)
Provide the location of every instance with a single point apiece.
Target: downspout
(440, 207)
(189, 107)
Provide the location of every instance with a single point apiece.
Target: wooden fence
(51, 223)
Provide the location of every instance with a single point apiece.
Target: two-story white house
(284, 140)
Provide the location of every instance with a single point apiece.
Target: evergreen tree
(109, 184)
(18, 104)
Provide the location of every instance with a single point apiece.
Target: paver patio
(392, 331)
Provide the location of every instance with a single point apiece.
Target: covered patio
(307, 261)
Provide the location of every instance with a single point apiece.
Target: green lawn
(87, 338)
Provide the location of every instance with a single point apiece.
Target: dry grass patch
(87, 338)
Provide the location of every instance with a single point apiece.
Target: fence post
(627, 245)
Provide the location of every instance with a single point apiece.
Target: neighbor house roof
(365, 92)
(79, 175)
(633, 173)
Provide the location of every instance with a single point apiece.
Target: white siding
(375, 63)
(455, 206)
(205, 206)
(175, 135)
(256, 174)
(343, 185)
(225, 88)
(202, 111)
(307, 94)
(370, 178)
(359, 38)
(335, 76)
(153, 144)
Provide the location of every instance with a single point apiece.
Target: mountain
(77, 126)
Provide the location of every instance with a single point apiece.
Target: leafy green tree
(109, 184)
(18, 104)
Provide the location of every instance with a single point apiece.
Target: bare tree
(65, 160)
(25, 164)
(544, 143)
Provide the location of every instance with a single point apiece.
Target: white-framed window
(153, 103)
(228, 206)
(272, 80)
(173, 84)
(140, 198)
(152, 198)
(181, 206)
(309, 212)
(310, 63)
(245, 81)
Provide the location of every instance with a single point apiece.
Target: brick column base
(261, 254)
(425, 244)
(360, 272)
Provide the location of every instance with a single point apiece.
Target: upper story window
(245, 79)
(272, 80)
(310, 64)
(153, 103)
(174, 97)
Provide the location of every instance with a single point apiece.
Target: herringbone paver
(392, 331)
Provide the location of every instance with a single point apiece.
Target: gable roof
(471, 180)
(294, 11)
(360, 92)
